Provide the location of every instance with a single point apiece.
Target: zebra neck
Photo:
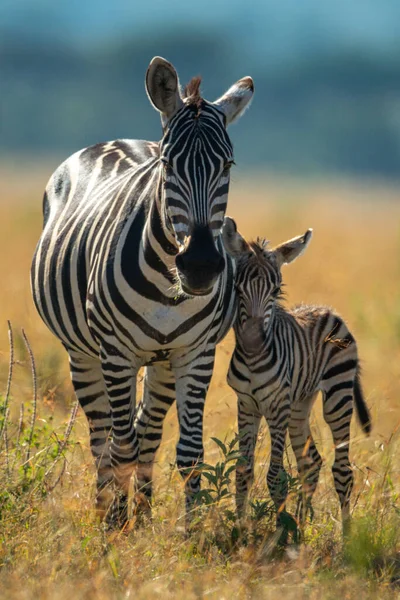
(156, 227)
(159, 250)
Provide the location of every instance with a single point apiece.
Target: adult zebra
(130, 270)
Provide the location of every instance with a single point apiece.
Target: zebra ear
(162, 87)
(288, 251)
(235, 101)
(234, 243)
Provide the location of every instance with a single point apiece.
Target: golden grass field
(52, 547)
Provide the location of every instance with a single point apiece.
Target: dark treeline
(320, 113)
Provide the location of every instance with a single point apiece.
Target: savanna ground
(51, 544)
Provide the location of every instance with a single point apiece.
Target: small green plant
(372, 547)
(33, 457)
(216, 511)
(219, 476)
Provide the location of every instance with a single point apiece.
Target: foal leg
(248, 426)
(277, 416)
(338, 409)
(338, 384)
(308, 459)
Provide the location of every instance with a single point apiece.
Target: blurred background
(327, 77)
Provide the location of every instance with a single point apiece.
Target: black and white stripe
(130, 271)
(282, 359)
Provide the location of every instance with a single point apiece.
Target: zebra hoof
(287, 525)
(141, 510)
(117, 514)
(103, 503)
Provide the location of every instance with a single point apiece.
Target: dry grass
(51, 544)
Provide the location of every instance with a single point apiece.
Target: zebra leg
(158, 397)
(308, 459)
(120, 379)
(192, 382)
(248, 426)
(278, 421)
(88, 382)
(338, 409)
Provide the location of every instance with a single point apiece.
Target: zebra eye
(166, 167)
(276, 291)
(227, 166)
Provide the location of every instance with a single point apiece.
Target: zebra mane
(191, 93)
(258, 252)
(259, 247)
(262, 243)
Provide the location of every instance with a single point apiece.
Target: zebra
(130, 271)
(282, 359)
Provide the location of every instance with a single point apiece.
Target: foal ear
(288, 251)
(234, 243)
(235, 101)
(162, 87)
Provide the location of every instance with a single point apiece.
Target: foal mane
(259, 249)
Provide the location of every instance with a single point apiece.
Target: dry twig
(34, 403)
(9, 378)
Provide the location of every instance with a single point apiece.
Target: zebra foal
(282, 359)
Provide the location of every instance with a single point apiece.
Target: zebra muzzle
(200, 264)
(252, 335)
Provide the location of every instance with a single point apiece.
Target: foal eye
(276, 292)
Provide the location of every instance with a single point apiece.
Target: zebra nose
(252, 334)
(201, 255)
(207, 262)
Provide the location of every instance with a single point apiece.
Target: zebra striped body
(106, 280)
(282, 359)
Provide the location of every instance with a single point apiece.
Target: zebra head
(258, 280)
(195, 159)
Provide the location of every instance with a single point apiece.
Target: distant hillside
(324, 102)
